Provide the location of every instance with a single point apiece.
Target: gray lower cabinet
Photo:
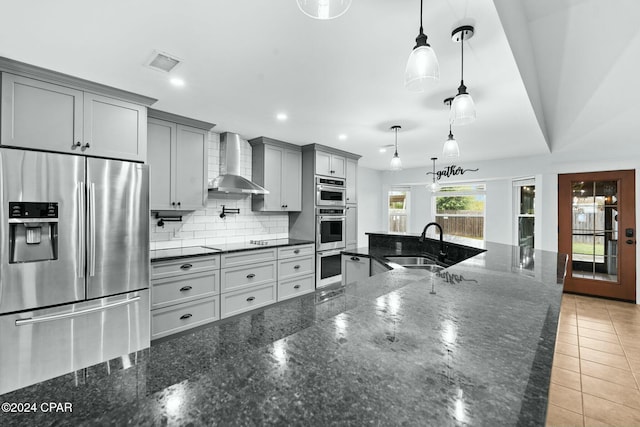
(178, 166)
(184, 293)
(276, 166)
(351, 227)
(247, 284)
(355, 268)
(193, 291)
(41, 115)
(296, 271)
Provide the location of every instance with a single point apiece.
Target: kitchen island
(382, 351)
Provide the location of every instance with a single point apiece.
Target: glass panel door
(595, 230)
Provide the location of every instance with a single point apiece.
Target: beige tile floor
(596, 366)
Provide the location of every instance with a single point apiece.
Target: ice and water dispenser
(33, 231)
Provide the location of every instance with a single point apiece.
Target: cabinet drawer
(293, 251)
(248, 257)
(242, 277)
(175, 267)
(295, 267)
(186, 287)
(240, 301)
(294, 287)
(176, 318)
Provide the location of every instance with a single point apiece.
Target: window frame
(472, 192)
(407, 208)
(517, 185)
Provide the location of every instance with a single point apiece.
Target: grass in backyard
(588, 248)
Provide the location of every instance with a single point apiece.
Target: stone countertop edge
(169, 254)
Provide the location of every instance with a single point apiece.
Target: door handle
(81, 230)
(630, 242)
(49, 318)
(92, 229)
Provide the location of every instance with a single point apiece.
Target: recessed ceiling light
(282, 116)
(342, 137)
(176, 81)
(383, 150)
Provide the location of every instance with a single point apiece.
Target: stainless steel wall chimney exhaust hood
(229, 180)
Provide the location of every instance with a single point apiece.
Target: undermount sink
(421, 262)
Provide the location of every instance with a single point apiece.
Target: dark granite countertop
(382, 351)
(191, 251)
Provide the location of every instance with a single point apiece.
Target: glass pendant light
(463, 110)
(434, 187)
(396, 164)
(324, 9)
(450, 148)
(422, 66)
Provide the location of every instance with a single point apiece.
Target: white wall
(205, 227)
(370, 203)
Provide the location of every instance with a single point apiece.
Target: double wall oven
(330, 229)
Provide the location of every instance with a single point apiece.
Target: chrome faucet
(442, 254)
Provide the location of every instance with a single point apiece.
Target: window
(398, 210)
(460, 210)
(524, 198)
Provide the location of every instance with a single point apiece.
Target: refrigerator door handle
(92, 230)
(40, 319)
(81, 231)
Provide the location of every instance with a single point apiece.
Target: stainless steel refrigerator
(74, 263)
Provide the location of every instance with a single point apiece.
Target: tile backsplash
(205, 227)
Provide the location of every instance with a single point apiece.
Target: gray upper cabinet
(277, 166)
(178, 167)
(329, 164)
(46, 116)
(352, 180)
(114, 128)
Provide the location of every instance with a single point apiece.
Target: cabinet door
(352, 227)
(191, 169)
(354, 268)
(351, 180)
(272, 178)
(161, 144)
(292, 180)
(338, 166)
(114, 128)
(323, 163)
(40, 115)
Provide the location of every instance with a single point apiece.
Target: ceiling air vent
(162, 61)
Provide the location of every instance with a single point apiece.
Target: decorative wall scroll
(453, 170)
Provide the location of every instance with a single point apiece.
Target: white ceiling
(246, 60)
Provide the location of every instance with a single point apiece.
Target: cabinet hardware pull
(185, 266)
(355, 258)
(297, 251)
(185, 288)
(173, 203)
(178, 203)
(296, 267)
(296, 287)
(250, 299)
(186, 316)
(251, 276)
(78, 144)
(87, 145)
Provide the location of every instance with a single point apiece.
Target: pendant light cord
(396, 153)
(462, 56)
(421, 31)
